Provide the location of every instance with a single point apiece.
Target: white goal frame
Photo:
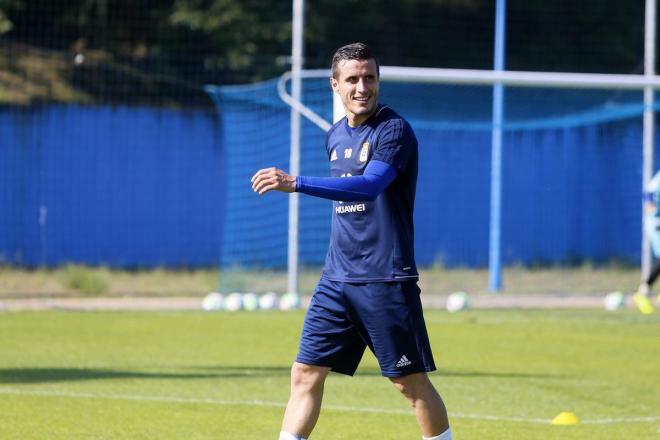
(646, 83)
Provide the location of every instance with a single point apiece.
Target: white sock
(288, 436)
(444, 436)
(643, 289)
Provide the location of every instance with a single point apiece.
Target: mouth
(362, 99)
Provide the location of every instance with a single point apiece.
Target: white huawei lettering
(350, 208)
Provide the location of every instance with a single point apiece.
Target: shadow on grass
(494, 374)
(467, 373)
(246, 371)
(255, 371)
(38, 375)
(35, 375)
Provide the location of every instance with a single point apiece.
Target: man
(652, 230)
(367, 294)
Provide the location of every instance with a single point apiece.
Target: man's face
(357, 85)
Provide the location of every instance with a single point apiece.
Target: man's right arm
(376, 177)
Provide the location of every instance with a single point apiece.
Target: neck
(355, 120)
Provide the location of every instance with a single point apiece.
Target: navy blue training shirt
(373, 240)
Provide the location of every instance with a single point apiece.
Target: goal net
(571, 173)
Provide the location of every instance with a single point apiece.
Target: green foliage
(149, 50)
(248, 38)
(92, 281)
(5, 24)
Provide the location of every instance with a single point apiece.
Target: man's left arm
(396, 143)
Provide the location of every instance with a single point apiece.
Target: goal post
(518, 80)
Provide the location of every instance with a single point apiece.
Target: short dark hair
(353, 51)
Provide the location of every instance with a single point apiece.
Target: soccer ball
(457, 301)
(614, 301)
(250, 302)
(212, 301)
(290, 301)
(233, 302)
(268, 301)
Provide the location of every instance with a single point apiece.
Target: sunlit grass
(196, 375)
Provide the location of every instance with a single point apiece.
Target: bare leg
(304, 406)
(429, 408)
(655, 272)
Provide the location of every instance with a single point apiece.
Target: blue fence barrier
(144, 187)
(572, 165)
(117, 186)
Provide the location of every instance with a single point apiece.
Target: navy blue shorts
(345, 318)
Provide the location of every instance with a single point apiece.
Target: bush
(92, 281)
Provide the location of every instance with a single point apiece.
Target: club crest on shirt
(333, 156)
(364, 152)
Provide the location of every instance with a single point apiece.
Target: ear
(334, 84)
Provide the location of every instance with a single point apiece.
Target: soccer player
(367, 294)
(652, 231)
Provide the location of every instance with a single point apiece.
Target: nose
(361, 85)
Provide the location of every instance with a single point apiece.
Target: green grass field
(195, 375)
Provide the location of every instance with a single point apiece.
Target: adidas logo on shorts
(403, 362)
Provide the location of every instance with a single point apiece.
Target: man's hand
(273, 178)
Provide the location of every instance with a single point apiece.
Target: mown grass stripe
(343, 408)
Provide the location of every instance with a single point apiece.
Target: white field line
(342, 408)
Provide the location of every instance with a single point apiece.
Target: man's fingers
(258, 179)
(261, 172)
(263, 184)
(256, 182)
(267, 188)
(268, 179)
(257, 174)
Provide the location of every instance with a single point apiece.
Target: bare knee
(414, 386)
(305, 378)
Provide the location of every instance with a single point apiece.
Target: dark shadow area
(37, 375)
(495, 374)
(467, 373)
(246, 371)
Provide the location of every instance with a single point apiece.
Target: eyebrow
(368, 75)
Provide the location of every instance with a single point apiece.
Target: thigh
(329, 337)
(390, 318)
(652, 231)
